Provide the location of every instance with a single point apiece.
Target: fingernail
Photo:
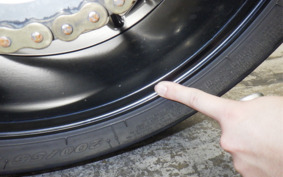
(161, 89)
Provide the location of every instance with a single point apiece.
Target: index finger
(210, 105)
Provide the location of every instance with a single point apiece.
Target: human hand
(252, 131)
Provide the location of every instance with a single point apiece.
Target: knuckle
(229, 114)
(237, 165)
(231, 144)
(226, 144)
(232, 113)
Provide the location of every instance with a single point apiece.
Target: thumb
(208, 104)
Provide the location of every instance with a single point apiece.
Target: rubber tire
(252, 47)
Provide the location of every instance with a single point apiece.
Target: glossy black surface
(62, 89)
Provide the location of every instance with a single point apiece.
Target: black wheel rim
(41, 94)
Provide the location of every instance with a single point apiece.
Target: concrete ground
(191, 148)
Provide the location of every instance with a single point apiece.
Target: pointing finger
(210, 105)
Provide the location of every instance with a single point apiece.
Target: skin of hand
(252, 131)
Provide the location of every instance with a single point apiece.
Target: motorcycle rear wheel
(128, 111)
